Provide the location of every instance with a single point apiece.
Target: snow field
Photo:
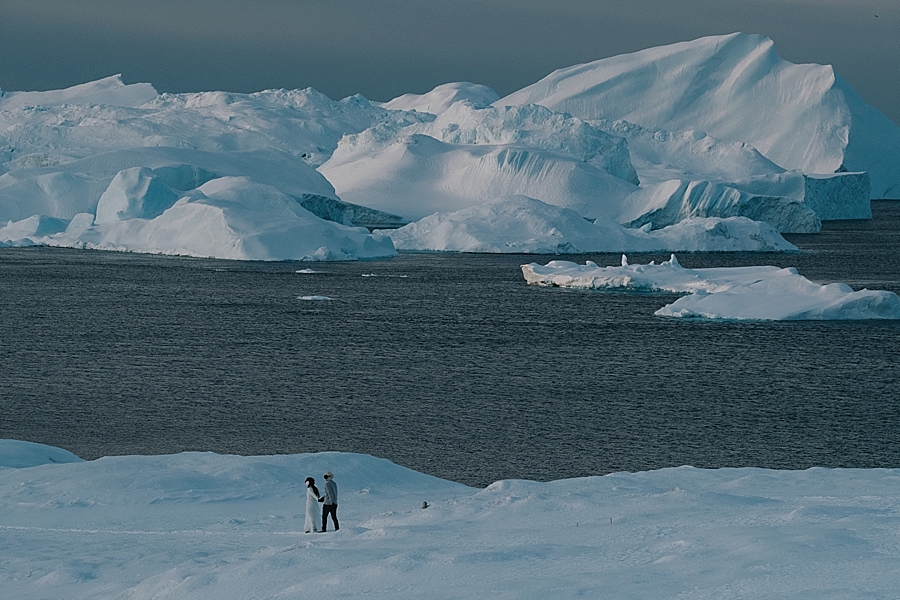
(209, 526)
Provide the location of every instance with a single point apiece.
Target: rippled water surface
(447, 364)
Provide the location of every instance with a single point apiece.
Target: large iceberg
(232, 218)
(734, 87)
(417, 175)
(698, 160)
(59, 126)
(740, 293)
(128, 168)
(719, 128)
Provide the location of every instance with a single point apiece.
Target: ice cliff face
(734, 87)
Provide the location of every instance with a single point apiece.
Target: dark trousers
(329, 509)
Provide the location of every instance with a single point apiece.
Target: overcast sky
(383, 48)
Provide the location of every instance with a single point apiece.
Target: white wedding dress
(313, 512)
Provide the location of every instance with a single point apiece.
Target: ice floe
(763, 293)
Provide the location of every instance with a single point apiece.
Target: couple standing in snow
(329, 504)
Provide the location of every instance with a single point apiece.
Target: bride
(313, 516)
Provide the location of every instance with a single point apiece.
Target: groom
(329, 502)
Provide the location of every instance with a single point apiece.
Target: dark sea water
(448, 364)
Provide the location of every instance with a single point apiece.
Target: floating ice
(232, 218)
(715, 128)
(314, 298)
(762, 293)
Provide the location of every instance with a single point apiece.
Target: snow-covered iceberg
(231, 218)
(203, 525)
(128, 168)
(525, 225)
(59, 126)
(443, 97)
(720, 167)
(716, 128)
(673, 201)
(109, 91)
(734, 87)
(740, 293)
(417, 175)
(155, 200)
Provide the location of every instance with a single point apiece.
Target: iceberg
(443, 97)
(718, 128)
(154, 200)
(519, 224)
(304, 123)
(110, 91)
(734, 87)
(673, 201)
(418, 175)
(232, 218)
(763, 293)
(700, 160)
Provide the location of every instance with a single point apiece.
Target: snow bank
(740, 293)
(19, 455)
(443, 97)
(200, 525)
(734, 87)
(522, 224)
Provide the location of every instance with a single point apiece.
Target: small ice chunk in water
(309, 271)
(314, 298)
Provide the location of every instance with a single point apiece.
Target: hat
(329, 474)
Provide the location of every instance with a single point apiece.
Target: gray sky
(384, 48)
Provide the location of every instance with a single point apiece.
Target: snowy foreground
(715, 144)
(739, 293)
(206, 526)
